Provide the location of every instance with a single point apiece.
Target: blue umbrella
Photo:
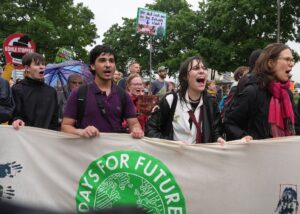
(56, 75)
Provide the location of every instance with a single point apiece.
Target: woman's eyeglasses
(137, 84)
(288, 59)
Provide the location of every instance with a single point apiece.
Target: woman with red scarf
(135, 87)
(265, 107)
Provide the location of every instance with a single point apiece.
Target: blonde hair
(130, 78)
(211, 82)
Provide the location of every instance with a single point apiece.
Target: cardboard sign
(146, 103)
(151, 22)
(15, 47)
(63, 55)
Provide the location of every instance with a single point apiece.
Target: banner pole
(150, 60)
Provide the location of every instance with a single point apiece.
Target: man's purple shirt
(92, 115)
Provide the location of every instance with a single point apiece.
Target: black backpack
(231, 99)
(81, 102)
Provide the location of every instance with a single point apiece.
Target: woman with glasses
(135, 88)
(265, 107)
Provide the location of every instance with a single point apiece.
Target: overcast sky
(110, 12)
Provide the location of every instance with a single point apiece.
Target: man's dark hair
(252, 59)
(245, 79)
(98, 50)
(28, 58)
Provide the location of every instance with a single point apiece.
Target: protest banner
(62, 172)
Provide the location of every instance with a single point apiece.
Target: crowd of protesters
(258, 105)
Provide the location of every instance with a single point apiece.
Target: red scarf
(281, 115)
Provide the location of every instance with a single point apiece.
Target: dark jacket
(249, 113)
(160, 125)
(36, 104)
(7, 104)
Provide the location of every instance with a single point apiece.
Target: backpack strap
(122, 95)
(172, 111)
(174, 103)
(103, 111)
(81, 100)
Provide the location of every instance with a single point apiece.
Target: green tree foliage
(168, 51)
(128, 45)
(234, 28)
(50, 23)
(297, 85)
(224, 32)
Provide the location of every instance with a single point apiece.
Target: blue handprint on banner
(10, 169)
(6, 192)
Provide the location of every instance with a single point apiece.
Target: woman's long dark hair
(263, 72)
(185, 68)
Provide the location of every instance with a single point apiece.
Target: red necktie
(197, 124)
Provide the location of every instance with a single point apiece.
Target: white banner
(53, 170)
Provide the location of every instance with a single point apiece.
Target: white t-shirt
(181, 124)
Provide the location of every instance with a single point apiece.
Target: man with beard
(106, 105)
(36, 102)
(160, 86)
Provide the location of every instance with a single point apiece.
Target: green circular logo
(129, 178)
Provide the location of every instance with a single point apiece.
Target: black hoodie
(36, 104)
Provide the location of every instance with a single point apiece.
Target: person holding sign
(189, 114)
(265, 107)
